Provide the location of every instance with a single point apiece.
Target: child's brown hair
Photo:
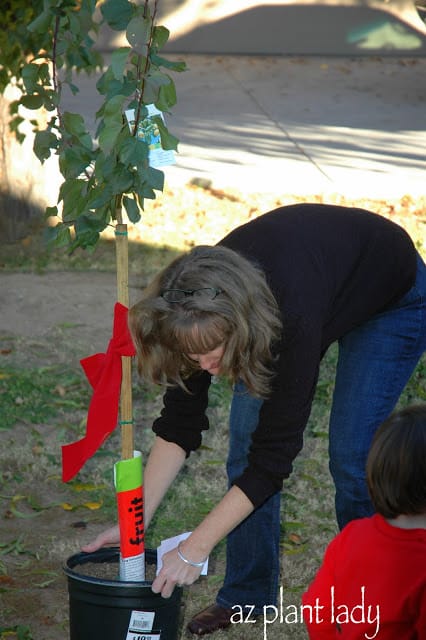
(396, 464)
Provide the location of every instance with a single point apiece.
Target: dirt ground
(45, 320)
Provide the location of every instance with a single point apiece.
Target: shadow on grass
(32, 254)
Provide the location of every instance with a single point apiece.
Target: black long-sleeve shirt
(331, 269)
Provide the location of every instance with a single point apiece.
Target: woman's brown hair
(396, 464)
(243, 316)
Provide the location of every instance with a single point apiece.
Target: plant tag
(128, 481)
(131, 635)
(132, 569)
(149, 132)
(140, 623)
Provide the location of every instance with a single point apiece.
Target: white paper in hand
(171, 543)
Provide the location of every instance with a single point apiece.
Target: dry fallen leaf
(60, 390)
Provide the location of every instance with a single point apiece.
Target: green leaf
(113, 108)
(73, 88)
(132, 209)
(160, 36)
(158, 61)
(111, 87)
(50, 100)
(118, 61)
(61, 49)
(4, 80)
(104, 81)
(87, 229)
(143, 189)
(150, 94)
(86, 240)
(138, 33)
(71, 193)
(104, 166)
(132, 152)
(112, 124)
(30, 76)
(157, 79)
(89, 222)
(32, 102)
(100, 195)
(117, 13)
(122, 180)
(147, 192)
(60, 235)
(166, 97)
(108, 136)
(14, 107)
(44, 73)
(162, 89)
(74, 161)
(74, 123)
(42, 23)
(44, 142)
(168, 141)
(155, 178)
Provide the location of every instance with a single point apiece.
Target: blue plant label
(149, 132)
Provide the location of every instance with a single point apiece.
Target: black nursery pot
(117, 610)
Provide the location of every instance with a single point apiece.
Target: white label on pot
(131, 635)
(141, 621)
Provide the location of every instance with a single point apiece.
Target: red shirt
(372, 584)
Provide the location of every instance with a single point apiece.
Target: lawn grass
(45, 403)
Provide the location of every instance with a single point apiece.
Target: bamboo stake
(126, 410)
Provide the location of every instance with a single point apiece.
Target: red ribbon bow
(104, 373)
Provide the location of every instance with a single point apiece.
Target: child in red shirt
(372, 583)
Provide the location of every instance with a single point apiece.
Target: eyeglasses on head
(178, 295)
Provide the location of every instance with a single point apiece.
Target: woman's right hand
(162, 466)
(110, 537)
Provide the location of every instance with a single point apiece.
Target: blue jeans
(375, 363)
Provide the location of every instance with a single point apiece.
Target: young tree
(42, 47)
(106, 176)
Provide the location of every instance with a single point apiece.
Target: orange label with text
(130, 518)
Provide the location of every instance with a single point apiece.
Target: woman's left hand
(231, 510)
(174, 572)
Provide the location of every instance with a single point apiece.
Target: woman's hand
(174, 571)
(110, 537)
(231, 510)
(162, 467)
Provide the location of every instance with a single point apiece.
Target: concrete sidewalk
(303, 125)
(297, 125)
